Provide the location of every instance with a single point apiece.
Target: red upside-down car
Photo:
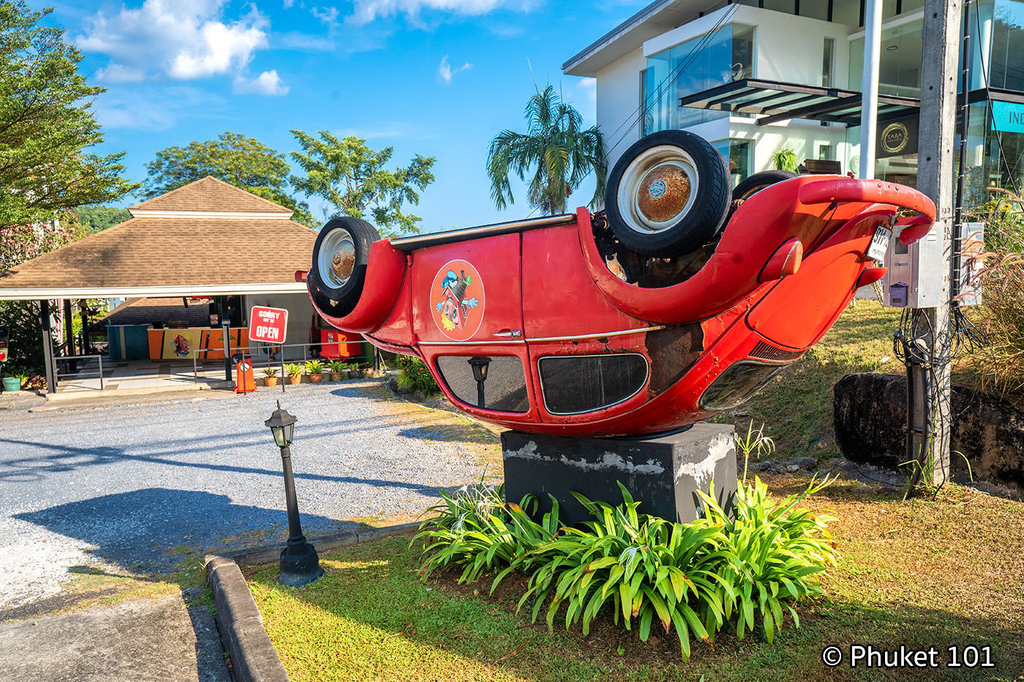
(678, 301)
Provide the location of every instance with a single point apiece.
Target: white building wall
(787, 48)
(618, 102)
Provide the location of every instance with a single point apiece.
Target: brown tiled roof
(149, 252)
(162, 310)
(210, 195)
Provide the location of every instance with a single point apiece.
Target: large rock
(870, 414)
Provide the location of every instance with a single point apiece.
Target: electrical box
(915, 272)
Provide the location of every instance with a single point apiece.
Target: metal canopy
(776, 102)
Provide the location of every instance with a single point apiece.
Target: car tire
(758, 181)
(668, 194)
(342, 249)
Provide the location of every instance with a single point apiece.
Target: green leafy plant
(476, 529)
(784, 159)
(270, 371)
(738, 570)
(753, 443)
(314, 367)
(415, 375)
(337, 366)
(293, 370)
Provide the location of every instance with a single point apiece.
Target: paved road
(142, 486)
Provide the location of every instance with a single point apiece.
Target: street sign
(267, 325)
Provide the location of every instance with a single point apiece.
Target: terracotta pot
(354, 374)
(270, 381)
(315, 378)
(335, 376)
(365, 372)
(294, 379)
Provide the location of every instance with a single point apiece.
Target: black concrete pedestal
(662, 473)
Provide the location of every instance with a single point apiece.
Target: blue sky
(434, 77)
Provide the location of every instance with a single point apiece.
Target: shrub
(694, 578)
(415, 375)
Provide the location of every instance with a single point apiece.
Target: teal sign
(1007, 117)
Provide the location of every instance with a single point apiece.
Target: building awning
(207, 238)
(776, 102)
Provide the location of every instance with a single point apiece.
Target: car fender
(385, 273)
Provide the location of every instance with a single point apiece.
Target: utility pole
(869, 96)
(928, 375)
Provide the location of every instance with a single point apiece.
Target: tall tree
(98, 218)
(555, 152)
(354, 180)
(46, 125)
(241, 161)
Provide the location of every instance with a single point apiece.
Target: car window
(583, 383)
(503, 388)
(737, 384)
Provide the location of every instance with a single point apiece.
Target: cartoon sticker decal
(457, 300)
(181, 346)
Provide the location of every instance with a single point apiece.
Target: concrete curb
(252, 654)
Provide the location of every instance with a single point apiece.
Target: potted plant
(353, 371)
(315, 370)
(12, 384)
(366, 371)
(270, 376)
(294, 373)
(337, 367)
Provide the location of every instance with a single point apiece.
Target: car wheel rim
(337, 258)
(657, 189)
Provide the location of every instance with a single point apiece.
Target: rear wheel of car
(340, 254)
(668, 194)
(758, 181)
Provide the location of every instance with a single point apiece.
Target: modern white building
(755, 77)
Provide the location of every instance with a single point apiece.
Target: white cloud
(588, 88)
(183, 39)
(446, 73)
(154, 108)
(368, 10)
(328, 16)
(267, 83)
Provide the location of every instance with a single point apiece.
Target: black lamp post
(299, 561)
(479, 366)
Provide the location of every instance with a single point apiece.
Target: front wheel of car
(338, 272)
(668, 194)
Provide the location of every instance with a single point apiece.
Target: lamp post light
(479, 366)
(300, 563)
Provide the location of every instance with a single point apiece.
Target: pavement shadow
(156, 529)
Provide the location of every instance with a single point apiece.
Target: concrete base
(662, 473)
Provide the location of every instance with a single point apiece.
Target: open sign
(267, 325)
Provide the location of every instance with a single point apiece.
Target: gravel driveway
(142, 486)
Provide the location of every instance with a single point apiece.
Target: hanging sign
(267, 325)
(897, 138)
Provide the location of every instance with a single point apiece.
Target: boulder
(870, 417)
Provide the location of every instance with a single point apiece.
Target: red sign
(267, 325)
(3, 355)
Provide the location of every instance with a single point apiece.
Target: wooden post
(928, 382)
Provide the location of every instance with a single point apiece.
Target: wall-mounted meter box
(914, 276)
(915, 272)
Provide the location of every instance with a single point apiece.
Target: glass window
(846, 12)
(737, 383)
(737, 156)
(827, 60)
(814, 9)
(911, 5)
(787, 6)
(826, 152)
(1007, 55)
(900, 64)
(698, 64)
(583, 383)
(503, 385)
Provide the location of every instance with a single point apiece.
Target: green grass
(797, 404)
(917, 573)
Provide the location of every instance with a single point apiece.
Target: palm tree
(555, 151)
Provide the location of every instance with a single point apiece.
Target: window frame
(436, 365)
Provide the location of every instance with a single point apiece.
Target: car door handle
(509, 333)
